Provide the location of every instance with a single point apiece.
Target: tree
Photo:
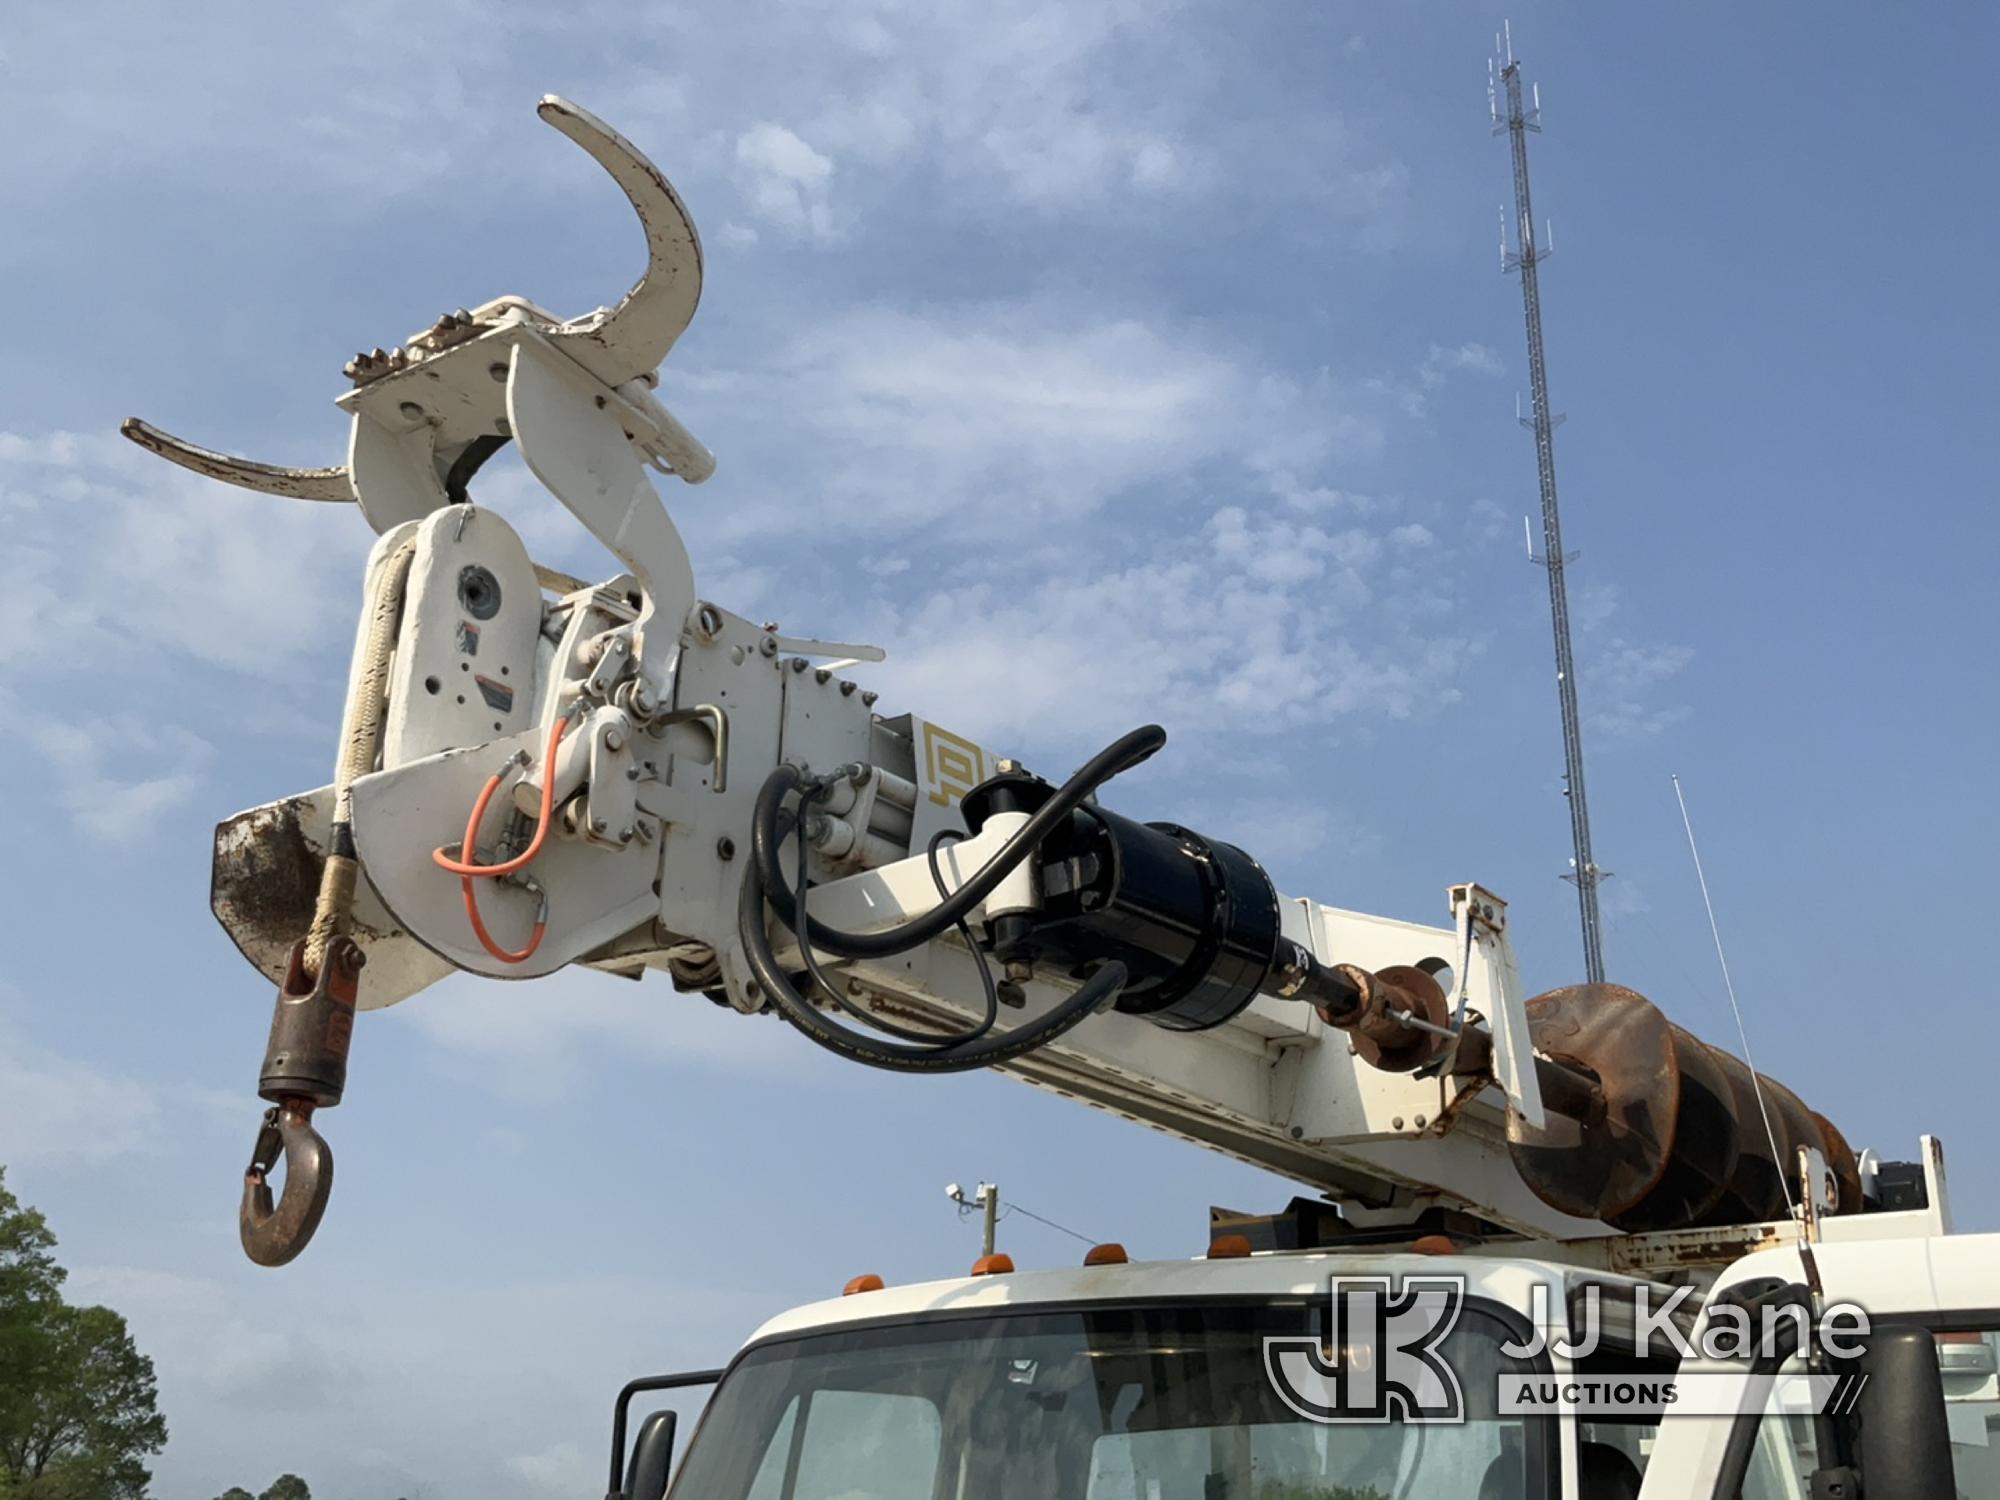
(30, 1287)
(79, 1405)
(91, 1423)
(236, 1492)
(287, 1487)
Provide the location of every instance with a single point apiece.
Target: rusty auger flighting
(535, 771)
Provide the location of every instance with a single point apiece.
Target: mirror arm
(622, 1410)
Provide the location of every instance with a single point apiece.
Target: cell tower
(1504, 76)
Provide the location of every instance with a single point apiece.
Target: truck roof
(1300, 1273)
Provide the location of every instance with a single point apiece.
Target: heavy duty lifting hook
(305, 1068)
(273, 1235)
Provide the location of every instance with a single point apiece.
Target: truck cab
(1192, 1380)
(1139, 1380)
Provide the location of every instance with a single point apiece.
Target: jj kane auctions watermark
(1386, 1355)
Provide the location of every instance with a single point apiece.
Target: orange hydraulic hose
(468, 871)
(486, 938)
(468, 850)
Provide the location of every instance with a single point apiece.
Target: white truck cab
(1118, 1380)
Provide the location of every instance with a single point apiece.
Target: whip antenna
(1729, 985)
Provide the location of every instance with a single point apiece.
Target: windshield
(1169, 1402)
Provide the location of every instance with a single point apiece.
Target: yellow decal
(953, 766)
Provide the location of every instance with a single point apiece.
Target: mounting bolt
(725, 848)
(625, 834)
(798, 664)
(613, 740)
(1395, 1122)
(598, 825)
(1298, 1132)
(822, 674)
(1420, 1122)
(868, 699)
(768, 645)
(631, 773)
(846, 688)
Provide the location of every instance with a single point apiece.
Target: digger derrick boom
(537, 771)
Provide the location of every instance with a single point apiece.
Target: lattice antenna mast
(1504, 82)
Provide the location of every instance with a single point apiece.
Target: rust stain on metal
(1380, 1038)
(1688, 1136)
(265, 880)
(1694, 1249)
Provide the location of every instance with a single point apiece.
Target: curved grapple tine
(632, 338)
(269, 479)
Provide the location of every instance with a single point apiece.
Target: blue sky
(1114, 363)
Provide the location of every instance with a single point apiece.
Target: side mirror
(1905, 1440)
(656, 1436)
(652, 1457)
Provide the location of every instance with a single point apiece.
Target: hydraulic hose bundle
(978, 1048)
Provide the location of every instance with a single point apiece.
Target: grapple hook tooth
(630, 339)
(273, 1233)
(269, 479)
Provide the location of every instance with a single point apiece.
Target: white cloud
(1237, 624)
(1624, 897)
(1624, 668)
(996, 417)
(83, 760)
(1620, 679)
(310, 104)
(1020, 95)
(559, 1469)
(1618, 682)
(786, 180)
(1284, 830)
(537, 1042)
(1412, 393)
(55, 1107)
(416, 1363)
(1471, 359)
(114, 552)
(1593, 605)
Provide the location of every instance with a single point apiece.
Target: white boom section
(676, 711)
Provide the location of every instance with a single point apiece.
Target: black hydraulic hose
(468, 463)
(1121, 754)
(881, 1023)
(951, 1057)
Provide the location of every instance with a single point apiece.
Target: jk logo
(1379, 1361)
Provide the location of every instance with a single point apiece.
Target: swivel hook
(274, 1235)
(305, 1068)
